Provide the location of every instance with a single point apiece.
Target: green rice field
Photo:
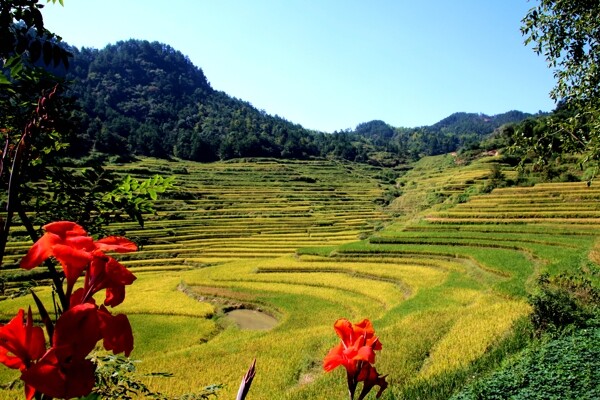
(443, 278)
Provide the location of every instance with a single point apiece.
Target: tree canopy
(37, 127)
(567, 34)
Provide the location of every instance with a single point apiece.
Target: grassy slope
(444, 284)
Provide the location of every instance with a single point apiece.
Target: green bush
(562, 301)
(567, 367)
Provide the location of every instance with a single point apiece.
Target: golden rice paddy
(309, 242)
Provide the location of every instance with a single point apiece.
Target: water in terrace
(251, 319)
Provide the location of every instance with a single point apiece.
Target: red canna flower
(107, 273)
(70, 244)
(83, 325)
(356, 353)
(63, 371)
(21, 343)
(60, 375)
(40, 251)
(336, 357)
(350, 333)
(115, 243)
(65, 228)
(116, 332)
(358, 344)
(57, 233)
(77, 331)
(73, 261)
(29, 392)
(370, 378)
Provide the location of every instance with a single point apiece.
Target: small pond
(251, 319)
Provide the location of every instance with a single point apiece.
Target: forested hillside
(144, 98)
(460, 130)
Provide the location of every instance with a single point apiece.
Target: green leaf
(4, 80)
(16, 68)
(12, 62)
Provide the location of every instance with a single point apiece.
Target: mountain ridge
(146, 98)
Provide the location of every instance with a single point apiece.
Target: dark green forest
(145, 98)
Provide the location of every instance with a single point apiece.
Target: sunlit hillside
(443, 271)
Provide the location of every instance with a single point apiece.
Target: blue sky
(331, 64)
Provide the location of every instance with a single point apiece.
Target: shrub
(566, 367)
(562, 301)
(568, 176)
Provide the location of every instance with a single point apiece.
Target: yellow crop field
(444, 282)
(480, 324)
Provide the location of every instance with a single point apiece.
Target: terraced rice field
(229, 211)
(443, 178)
(247, 210)
(303, 242)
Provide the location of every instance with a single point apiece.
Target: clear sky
(331, 64)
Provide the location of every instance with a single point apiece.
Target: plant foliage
(567, 34)
(116, 378)
(564, 301)
(564, 368)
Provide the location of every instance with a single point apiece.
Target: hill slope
(459, 130)
(283, 236)
(144, 98)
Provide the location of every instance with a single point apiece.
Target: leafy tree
(379, 131)
(37, 126)
(567, 34)
(28, 122)
(25, 41)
